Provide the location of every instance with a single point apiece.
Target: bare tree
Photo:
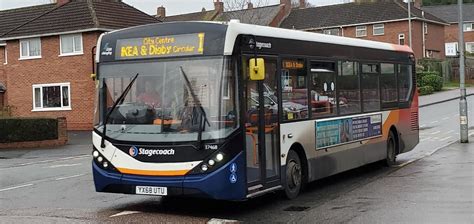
(245, 10)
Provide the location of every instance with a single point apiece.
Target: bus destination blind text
(163, 46)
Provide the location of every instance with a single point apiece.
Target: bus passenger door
(261, 127)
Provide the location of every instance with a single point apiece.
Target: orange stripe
(154, 172)
(403, 48)
(393, 118)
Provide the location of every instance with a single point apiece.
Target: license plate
(148, 190)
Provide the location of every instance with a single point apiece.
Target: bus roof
(237, 28)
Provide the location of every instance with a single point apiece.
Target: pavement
(442, 96)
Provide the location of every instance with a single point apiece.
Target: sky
(173, 7)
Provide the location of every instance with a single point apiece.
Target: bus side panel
(346, 157)
(409, 128)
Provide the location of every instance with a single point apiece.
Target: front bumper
(215, 185)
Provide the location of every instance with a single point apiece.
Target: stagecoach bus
(231, 111)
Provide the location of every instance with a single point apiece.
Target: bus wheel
(294, 175)
(391, 150)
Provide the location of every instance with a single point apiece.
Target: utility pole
(463, 102)
(409, 23)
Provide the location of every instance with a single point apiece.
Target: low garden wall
(32, 132)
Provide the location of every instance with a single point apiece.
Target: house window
(451, 49)
(470, 47)
(71, 44)
(47, 97)
(379, 29)
(30, 48)
(401, 39)
(468, 27)
(334, 31)
(361, 31)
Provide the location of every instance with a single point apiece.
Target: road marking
(54, 160)
(15, 187)
(425, 139)
(64, 165)
(434, 122)
(445, 118)
(428, 154)
(450, 131)
(220, 221)
(69, 177)
(124, 213)
(446, 138)
(434, 133)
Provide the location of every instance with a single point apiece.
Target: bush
(28, 129)
(419, 77)
(434, 81)
(425, 90)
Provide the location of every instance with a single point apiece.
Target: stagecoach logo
(134, 151)
(106, 51)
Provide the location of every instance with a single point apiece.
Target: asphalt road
(55, 186)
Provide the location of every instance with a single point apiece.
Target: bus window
(348, 88)
(388, 85)
(323, 89)
(294, 89)
(404, 82)
(370, 87)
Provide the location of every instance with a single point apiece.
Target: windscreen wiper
(203, 113)
(120, 100)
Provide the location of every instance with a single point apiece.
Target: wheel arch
(397, 138)
(298, 148)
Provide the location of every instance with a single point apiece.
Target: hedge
(419, 77)
(28, 129)
(425, 90)
(434, 81)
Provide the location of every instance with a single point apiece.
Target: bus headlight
(219, 157)
(204, 167)
(211, 162)
(101, 161)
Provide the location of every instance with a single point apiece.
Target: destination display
(335, 132)
(160, 46)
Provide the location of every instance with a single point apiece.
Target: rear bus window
(404, 82)
(388, 85)
(370, 87)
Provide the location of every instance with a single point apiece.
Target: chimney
(417, 3)
(250, 5)
(302, 4)
(61, 2)
(161, 12)
(219, 6)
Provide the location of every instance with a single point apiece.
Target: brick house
(46, 56)
(449, 13)
(271, 15)
(385, 21)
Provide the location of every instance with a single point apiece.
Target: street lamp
(463, 102)
(409, 22)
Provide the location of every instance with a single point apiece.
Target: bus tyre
(391, 150)
(294, 175)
